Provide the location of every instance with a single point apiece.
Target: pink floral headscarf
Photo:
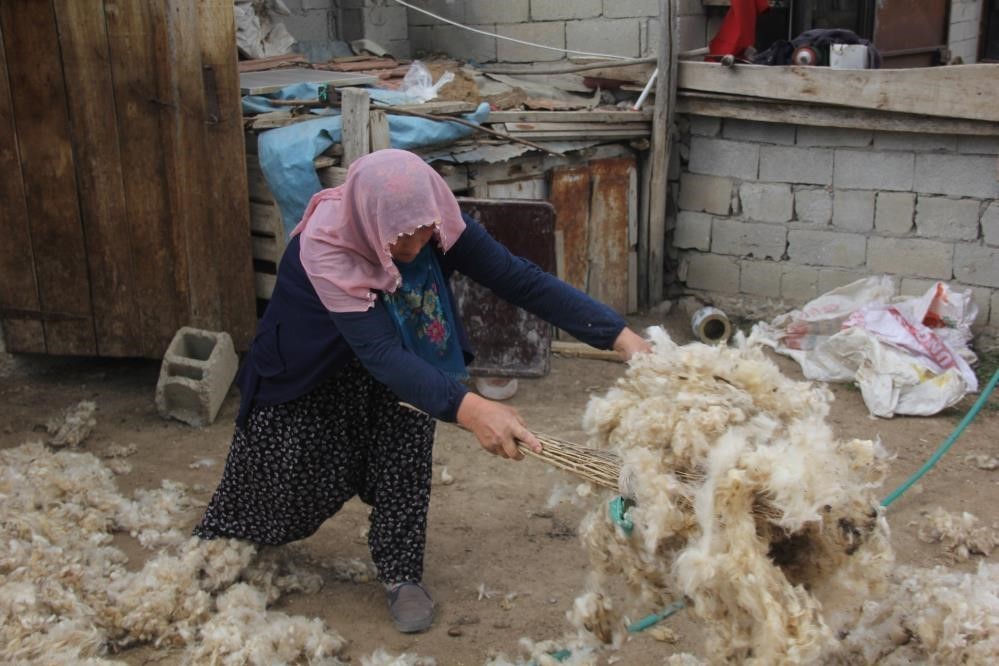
(346, 231)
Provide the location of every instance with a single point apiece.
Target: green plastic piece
(618, 509)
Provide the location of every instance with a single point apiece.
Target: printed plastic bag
(418, 85)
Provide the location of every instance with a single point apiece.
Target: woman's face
(408, 246)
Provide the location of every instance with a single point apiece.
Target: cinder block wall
(965, 26)
(775, 214)
(313, 23)
(616, 27)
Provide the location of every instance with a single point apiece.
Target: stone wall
(785, 213)
(965, 27)
(616, 27)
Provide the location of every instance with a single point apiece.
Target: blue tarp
(287, 153)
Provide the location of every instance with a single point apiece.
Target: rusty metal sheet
(611, 215)
(907, 25)
(570, 195)
(508, 341)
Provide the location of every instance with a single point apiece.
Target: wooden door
(123, 205)
(911, 33)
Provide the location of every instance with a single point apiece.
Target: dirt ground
(492, 526)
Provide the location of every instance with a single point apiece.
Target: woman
(362, 318)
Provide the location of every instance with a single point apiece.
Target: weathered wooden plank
(85, 57)
(18, 289)
(261, 83)
(259, 190)
(964, 91)
(585, 135)
(265, 219)
(379, 130)
(263, 284)
(332, 176)
(267, 248)
(159, 271)
(436, 108)
(569, 116)
(610, 213)
(355, 129)
(581, 127)
(227, 201)
(816, 115)
(662, 123)
(47, 167)
(570, 195)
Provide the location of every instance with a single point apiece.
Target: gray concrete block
(446, 8)
(705, 125)
(386, 24)
(956, 176)
(626, 8)
(748, 130)
(915, 257)
(813, 166)
(711, 272)
(833, 137)
(894, 212)
(813, 205)
(830, 278)
(313, 4)
(693, 231)
(954, 219)
(826, 248)
(551, 33)
(760, 278)
(978, 145)
(421, 39)
(611, 36)
(711, 194)
(490, 11)
(555, 10)
(866, 170)
(853, 210)
(312, 26)
(990, 224)
(748, 239)
(465, 45)
(198, 368)
(915, 141)
(976, 265)
(994, 311)
(766, 202)
(799, 284)
(691, 32)
(719, 157)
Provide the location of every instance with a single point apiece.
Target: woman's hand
(497, 427)
(629, 343)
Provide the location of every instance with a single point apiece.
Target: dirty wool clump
(67, 595)
(961, 534)
(72, 427)
(746, 506)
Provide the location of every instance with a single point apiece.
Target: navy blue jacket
(300, 344)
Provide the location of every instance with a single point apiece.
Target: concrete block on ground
(853, 210)
(760, 278)
(867, 170)
(705, 125)
(710, 194)
(799, 284)
(978, 145)
(555, 10)
(976, 265)
(915, 141)
(833, 137)
(719, 157)
(954, 219)
(956, 175)
(766, 202)
(830, 278)
(757, 132)
(490, 11)
(826, 248)
(611, 36)
(911, 256)
(812, 166)
(551, 33)
(711, 272)
(693, 231)
(894, 213)
(626, 8)
(990, 224)
(195, 376)
(748, 239)
(813, 205)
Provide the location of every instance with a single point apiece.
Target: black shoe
(411, 607)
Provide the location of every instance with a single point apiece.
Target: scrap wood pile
(767, 527)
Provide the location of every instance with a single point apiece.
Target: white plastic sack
(908, 355)
(418, 85)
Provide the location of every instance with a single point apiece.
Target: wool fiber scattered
(746, 505)
(74, 426)
(961, 534)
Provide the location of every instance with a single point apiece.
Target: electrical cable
(509, 39)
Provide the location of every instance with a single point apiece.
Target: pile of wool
(745, 504)
(67, 595)
(962, 535)
(930, 616)
(74, 426)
